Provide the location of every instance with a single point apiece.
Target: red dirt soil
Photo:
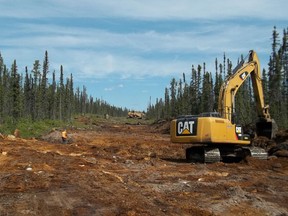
(115, 169)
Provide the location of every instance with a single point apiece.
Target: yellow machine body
(207, 130)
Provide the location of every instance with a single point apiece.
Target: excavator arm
(226, 104)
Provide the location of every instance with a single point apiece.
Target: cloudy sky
(127, 51)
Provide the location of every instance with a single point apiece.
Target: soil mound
(277, 147)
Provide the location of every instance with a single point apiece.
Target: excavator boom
(265, 126)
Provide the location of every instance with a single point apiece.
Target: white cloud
(98, 40)
(112, 88)
(91, 52)
(108, 89)
(149, 9)
(95, 53)
(94, 64)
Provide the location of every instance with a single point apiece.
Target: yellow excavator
(214, 136)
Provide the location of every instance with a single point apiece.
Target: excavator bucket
(266, 128)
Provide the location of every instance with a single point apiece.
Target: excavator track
(211, 155)
(257, 152)
(207, 154)
(203, 154)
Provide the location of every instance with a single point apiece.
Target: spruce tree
(27, 94)
(193, 91)
(36, 96)
(173, 92)
(166, 103)
(15, 92)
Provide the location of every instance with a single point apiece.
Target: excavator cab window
(187, 116)
(210, 114)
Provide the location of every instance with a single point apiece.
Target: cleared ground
(120, 169)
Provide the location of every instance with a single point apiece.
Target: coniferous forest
(30, 95)
(198, 91)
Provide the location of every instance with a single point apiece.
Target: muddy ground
(120, 169)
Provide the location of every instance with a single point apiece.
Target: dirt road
(133, 170)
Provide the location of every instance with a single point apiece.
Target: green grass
(30, 129)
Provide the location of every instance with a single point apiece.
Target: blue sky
(127, 51)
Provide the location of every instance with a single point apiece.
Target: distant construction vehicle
(136, 115)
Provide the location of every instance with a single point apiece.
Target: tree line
(199, 93)
(31, 95)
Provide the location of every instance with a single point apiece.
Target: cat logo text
(186, 127)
